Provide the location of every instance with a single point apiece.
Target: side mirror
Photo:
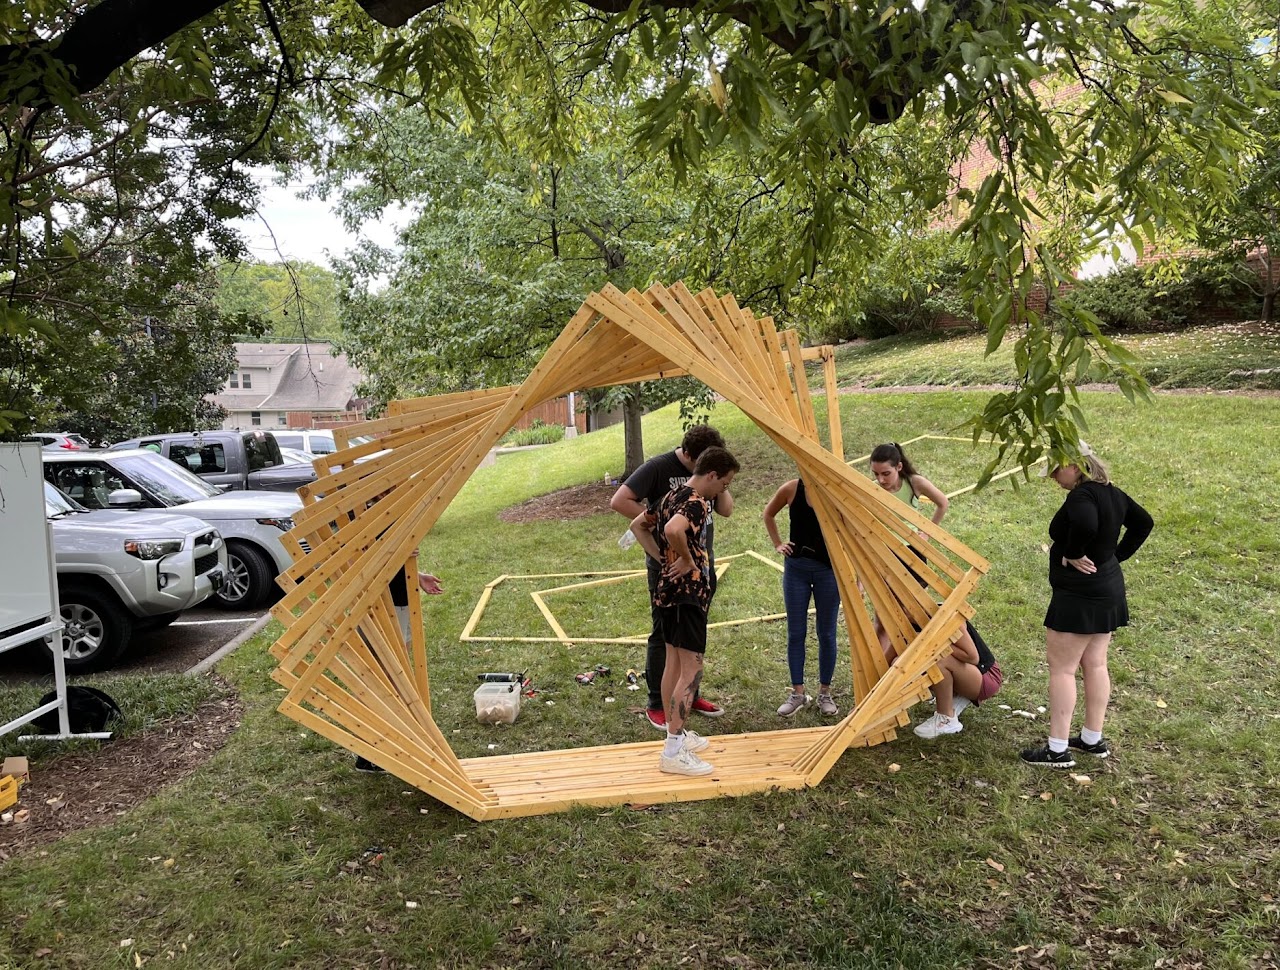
(124, 498)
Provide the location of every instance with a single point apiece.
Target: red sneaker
(706, 708)
(657, 718)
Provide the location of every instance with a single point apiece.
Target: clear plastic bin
(497, 703)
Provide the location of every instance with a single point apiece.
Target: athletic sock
(673, 745)
(1057, 745)
(1090, 737)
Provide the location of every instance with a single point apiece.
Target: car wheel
(248, 581)
(96, 629)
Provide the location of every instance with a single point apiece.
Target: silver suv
(251, 522)
(121, 571)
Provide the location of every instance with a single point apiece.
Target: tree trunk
(633, 435)
(1268, 306)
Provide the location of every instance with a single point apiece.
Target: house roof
(305, 377)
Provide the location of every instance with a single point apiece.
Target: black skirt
(1087, 604)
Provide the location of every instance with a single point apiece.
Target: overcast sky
(305, 229)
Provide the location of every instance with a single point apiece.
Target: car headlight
(283, 522)
(152, 548)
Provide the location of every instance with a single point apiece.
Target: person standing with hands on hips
(806, 572)
(674, 536)
(1088, 602)
(641, 492)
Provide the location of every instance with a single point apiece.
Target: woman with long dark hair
(893, 472)
(806, 574)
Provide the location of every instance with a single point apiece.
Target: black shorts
(685, 626)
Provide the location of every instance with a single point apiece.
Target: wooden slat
(833, 401)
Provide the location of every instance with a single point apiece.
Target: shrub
(538, 433)
(912, 283)
(1169, 295)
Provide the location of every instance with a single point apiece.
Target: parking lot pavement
(180, 646)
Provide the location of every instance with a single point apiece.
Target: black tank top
(986, 659)
(806, 534)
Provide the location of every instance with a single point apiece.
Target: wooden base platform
(621, 774)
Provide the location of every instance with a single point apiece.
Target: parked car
(251, 522)
(121, 571)
(296, 456)
(231, 459)
(312, 442)
(59, 439)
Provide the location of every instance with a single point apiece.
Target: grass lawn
(1223, 356)
(911, 854)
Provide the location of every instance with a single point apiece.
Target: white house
(272, 381)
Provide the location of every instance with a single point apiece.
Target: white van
(312, 442)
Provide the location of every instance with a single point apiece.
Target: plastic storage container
(497, 703)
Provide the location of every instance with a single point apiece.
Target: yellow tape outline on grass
(341, 657)
(610, 578)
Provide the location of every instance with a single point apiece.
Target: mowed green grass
(958, 856)
(1224, 356)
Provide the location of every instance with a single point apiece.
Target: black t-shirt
(658, 476)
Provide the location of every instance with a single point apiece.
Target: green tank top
(910, 498)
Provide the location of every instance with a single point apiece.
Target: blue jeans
(802, 578)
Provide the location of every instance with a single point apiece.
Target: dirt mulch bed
(91, 788)
(577, 502)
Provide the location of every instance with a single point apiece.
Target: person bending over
(806, 573)
(894, 473)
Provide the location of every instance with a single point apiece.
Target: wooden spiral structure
(342, 658)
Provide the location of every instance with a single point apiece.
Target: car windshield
(59, 503)
(169, 483)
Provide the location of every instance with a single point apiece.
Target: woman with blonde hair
(1088, 603)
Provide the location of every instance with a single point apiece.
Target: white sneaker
(937, 725)
(684, 763)
(792, 704)
(693, 741)
(959, 703)
(827, 704)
